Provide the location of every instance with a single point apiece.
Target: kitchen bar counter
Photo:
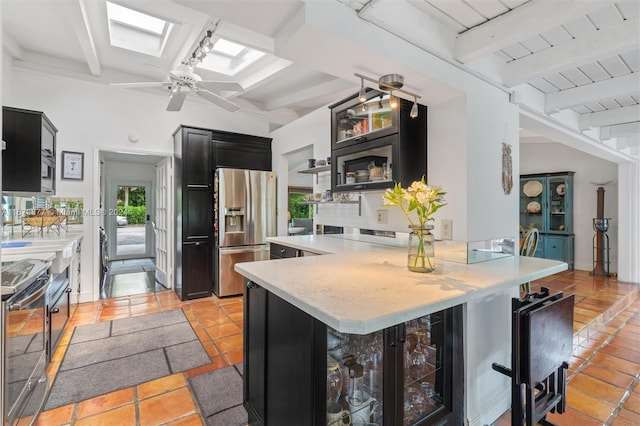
(362, 285)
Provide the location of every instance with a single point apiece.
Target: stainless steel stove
(24, 339)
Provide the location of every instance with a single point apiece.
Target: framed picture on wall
(72, 165)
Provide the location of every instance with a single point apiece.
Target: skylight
(229, 58)
(228, 47)
(136, 31)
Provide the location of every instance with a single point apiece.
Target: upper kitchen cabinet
(240, 151)
(376, 143)
(29, 160)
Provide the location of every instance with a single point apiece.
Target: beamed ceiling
(575, 61)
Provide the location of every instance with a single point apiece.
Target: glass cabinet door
(365, 166)
(532, 199)
(354, 378)
(424, 378)
(558, 214)
(360, 119)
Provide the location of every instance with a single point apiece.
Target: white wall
(554, 157)
(92, 117)
(465, 138)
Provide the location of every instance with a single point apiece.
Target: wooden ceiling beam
(76, 13)
(626, 130)
(610, 117)
(521, 23)
(604, 43)
(628, 84)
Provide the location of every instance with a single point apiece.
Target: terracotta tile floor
(604, 371)
(165, 401)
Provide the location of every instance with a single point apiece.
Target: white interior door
(162, 223)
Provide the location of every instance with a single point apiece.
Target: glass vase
(421, 257)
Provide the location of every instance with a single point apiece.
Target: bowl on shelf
(362, 175)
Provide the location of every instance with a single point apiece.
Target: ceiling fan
(182, 80)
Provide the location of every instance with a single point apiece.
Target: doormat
(219, 395)
(113, 355)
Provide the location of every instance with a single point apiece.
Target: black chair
(541, 346)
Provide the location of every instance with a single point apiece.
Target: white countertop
(361, 286)
(62, 246)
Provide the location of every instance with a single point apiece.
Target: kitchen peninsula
(306, 314)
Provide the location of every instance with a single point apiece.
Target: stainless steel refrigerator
(244, 216)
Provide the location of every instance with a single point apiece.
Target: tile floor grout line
(622, 401)
(596, 351)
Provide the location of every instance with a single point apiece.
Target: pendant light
(392, 101)
(389, 83)
(362, 95)
(414, 109)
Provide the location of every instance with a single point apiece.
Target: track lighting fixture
(362, 97)
(389, 83)
(414, 109)
(204, 47)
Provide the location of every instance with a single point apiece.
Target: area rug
(113, 355)
(219, 395)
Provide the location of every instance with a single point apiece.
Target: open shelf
(316, 203)
(316, 170)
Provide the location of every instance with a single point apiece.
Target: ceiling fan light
(199, 54)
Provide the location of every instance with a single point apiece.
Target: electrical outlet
(446, 229)
(382, 216)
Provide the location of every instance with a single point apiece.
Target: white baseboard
(494, 409)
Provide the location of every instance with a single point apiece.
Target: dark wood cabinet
(194, 212)
(377, 144)
(194, 270)
(285, 373)
(237, 151)
(29, 159)
(198, 152)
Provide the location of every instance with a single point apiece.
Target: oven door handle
(31, 297)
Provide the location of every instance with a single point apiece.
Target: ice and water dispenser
(234, 219)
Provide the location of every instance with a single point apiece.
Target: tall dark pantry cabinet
(197, 154)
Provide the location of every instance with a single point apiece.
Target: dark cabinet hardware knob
(68, 290)
(55, 311)
(251, 284)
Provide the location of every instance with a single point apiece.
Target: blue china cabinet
(546, 203)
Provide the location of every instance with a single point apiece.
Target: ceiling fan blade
(221, 85)
(218, 100)
(142, 84)
(177, 99)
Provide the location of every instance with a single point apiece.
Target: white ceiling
(581, 57)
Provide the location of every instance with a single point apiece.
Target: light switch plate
(446, 229)
(382, 216)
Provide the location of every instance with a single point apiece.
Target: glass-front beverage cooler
(403, 375)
